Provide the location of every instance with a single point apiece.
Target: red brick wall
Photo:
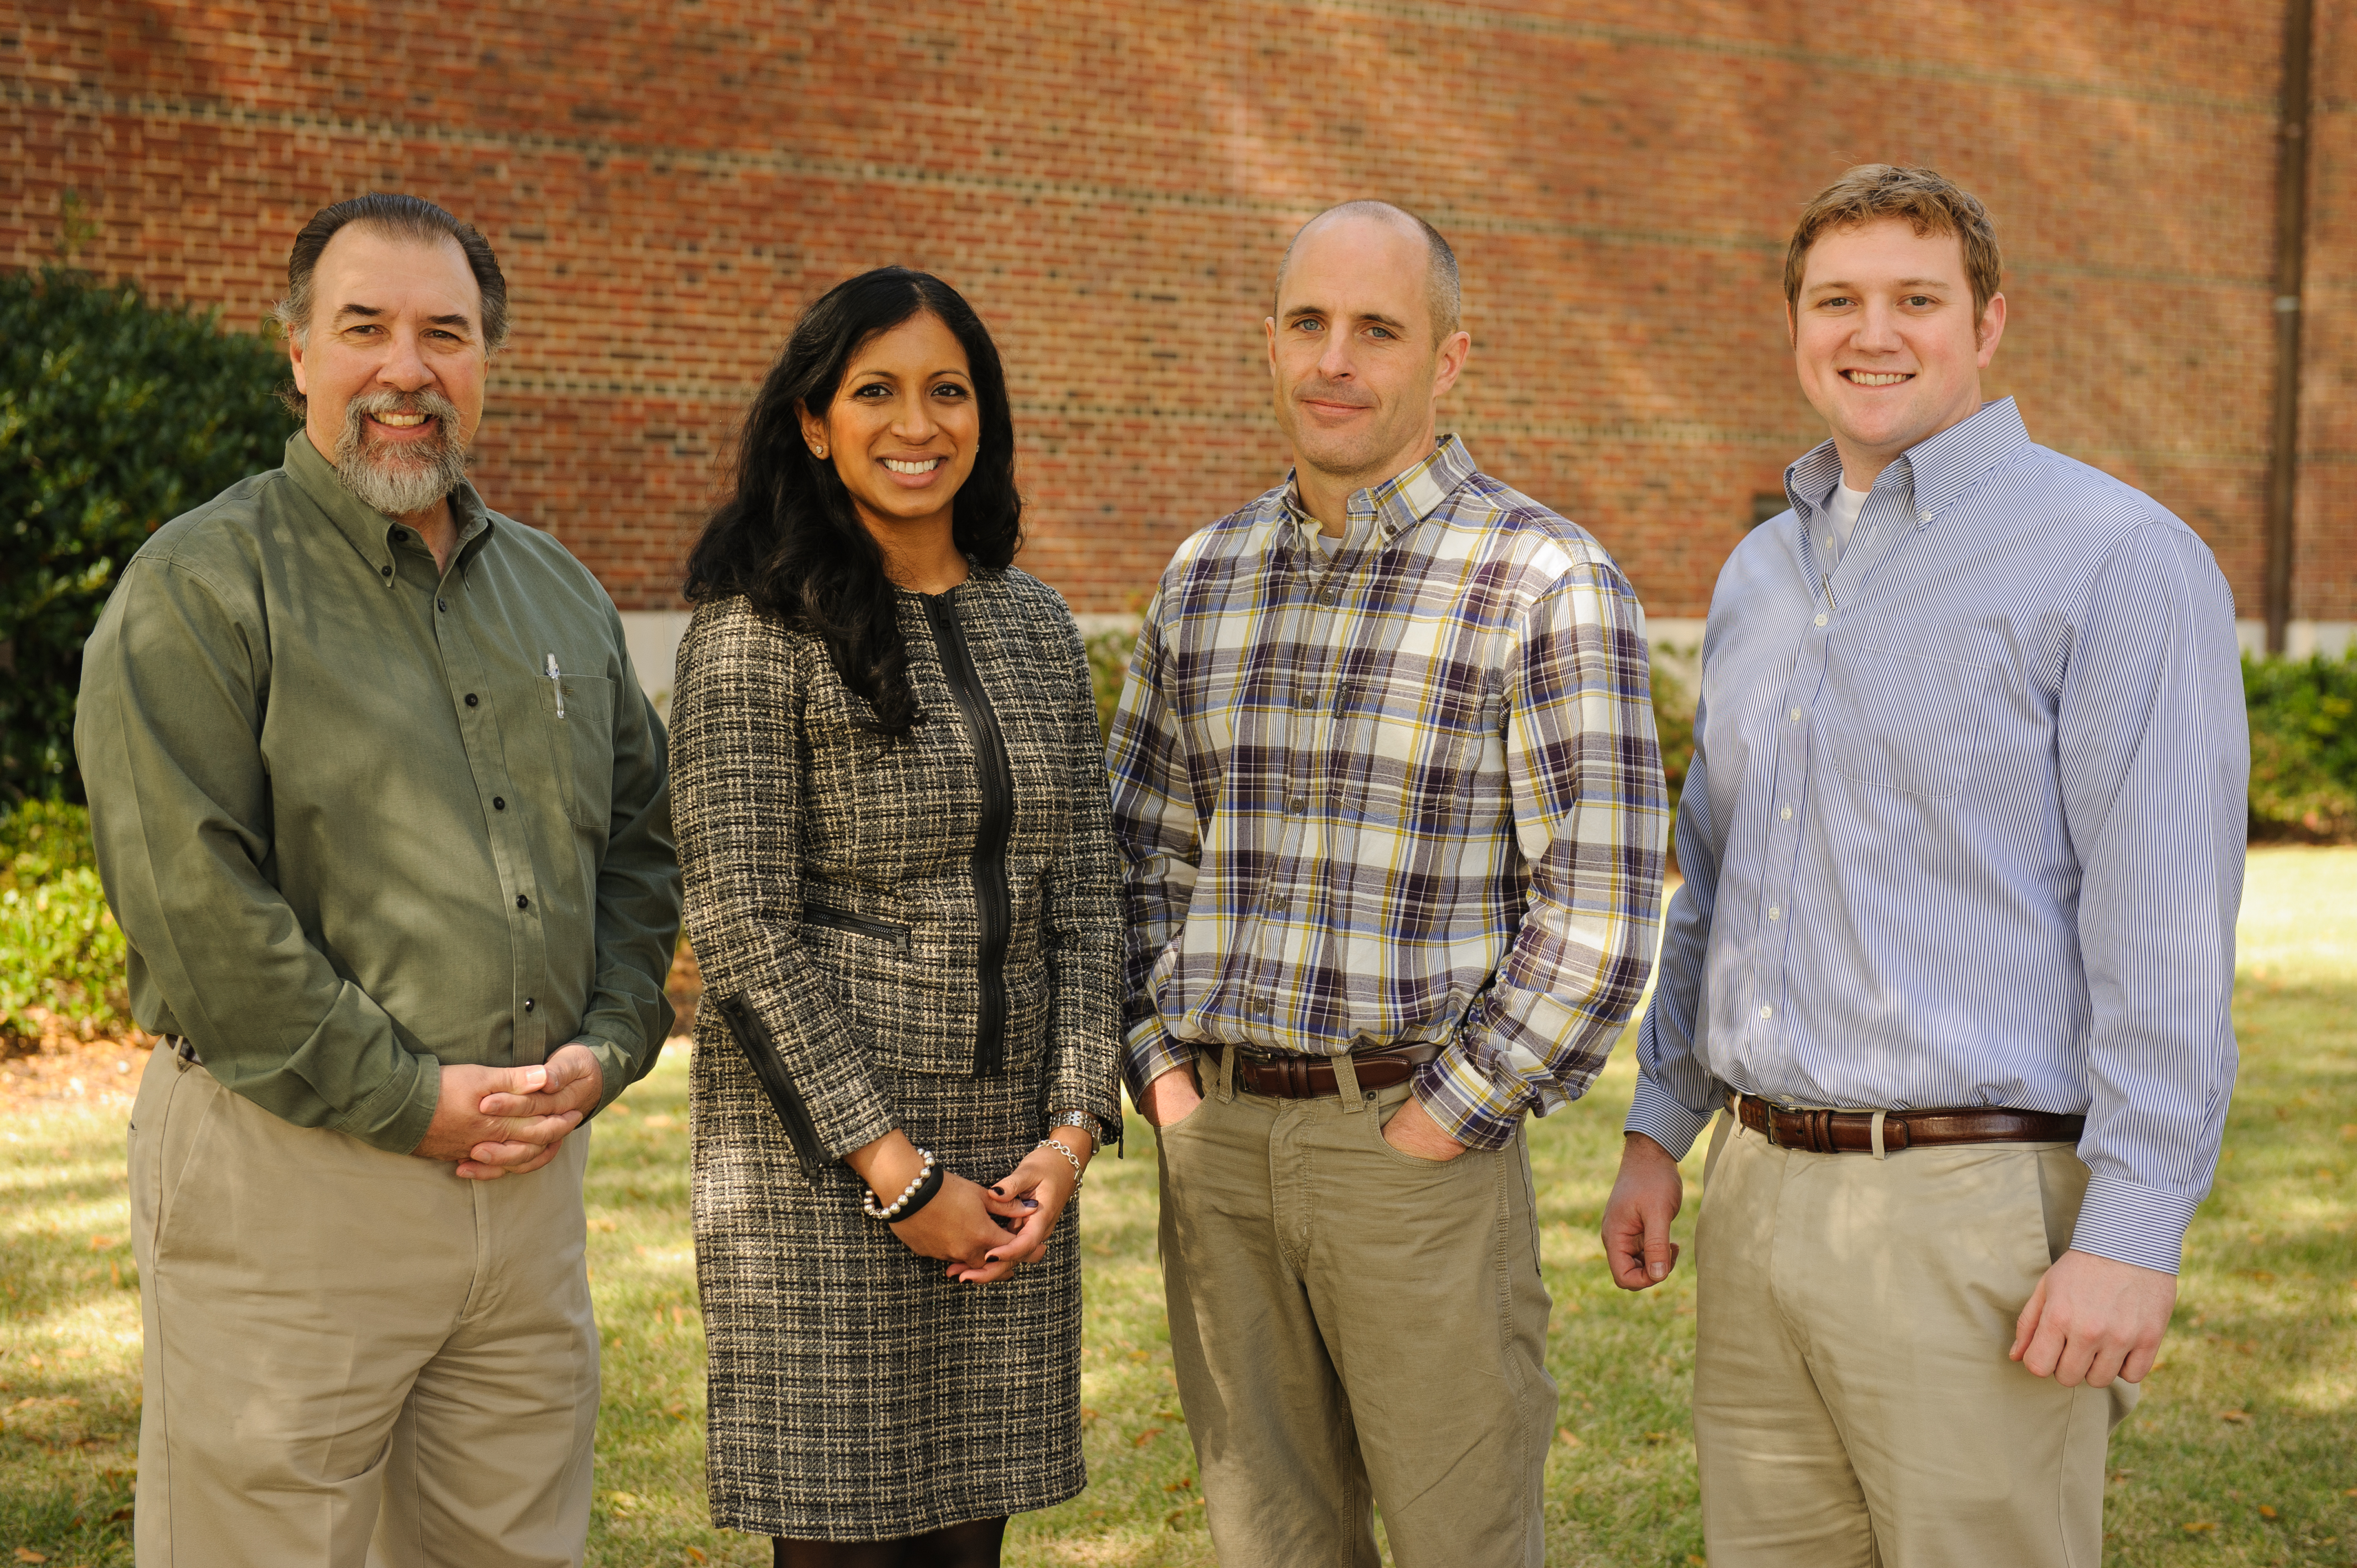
(1112, 183)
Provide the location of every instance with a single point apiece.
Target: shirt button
(1304, 698)
(1792, 713)
(1297, 804)
(1922, 517)
(444, 605)
(1329, 595)
(1775, 911)
(499, 803)
(1820, 618)
(522, 902)
(1766, 1011)
(386, 570)
(400, 536)
(527, 1003)
(1786, 813)
(473, 699)
(1260, 1004)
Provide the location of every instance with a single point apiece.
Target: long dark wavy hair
(789, 539)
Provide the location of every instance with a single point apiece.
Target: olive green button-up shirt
(358, 817)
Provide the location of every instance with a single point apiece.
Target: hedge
(116, 415)
(2303, 748)
(62, 954)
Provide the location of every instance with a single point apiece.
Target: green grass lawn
(2243, 1450)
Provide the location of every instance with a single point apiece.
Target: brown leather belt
(1852, 1131)
(1289, 1077)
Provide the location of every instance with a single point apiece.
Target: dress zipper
(992, 903)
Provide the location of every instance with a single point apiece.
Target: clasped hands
(506, 1120)
(2090, 1320)
(982, 1232)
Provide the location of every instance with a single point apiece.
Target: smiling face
(1355, 356)
(1886, 341)
(392, 366)
(903, 429)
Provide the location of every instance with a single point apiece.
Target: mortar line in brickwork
(1466, 19)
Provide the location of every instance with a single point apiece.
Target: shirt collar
(1405, 499)
(1938, 470)
(368, 530)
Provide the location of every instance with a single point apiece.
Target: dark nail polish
(1030, 1203)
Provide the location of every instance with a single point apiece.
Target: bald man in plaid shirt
(1386, 784)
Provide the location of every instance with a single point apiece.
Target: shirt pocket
(577, 715)
(1417, 757)
(1909, 721)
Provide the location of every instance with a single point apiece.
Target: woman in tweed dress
(891, 803)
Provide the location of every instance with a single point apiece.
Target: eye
(1308, 323)
(1835, 302)
(949, 388)
(878, 388)
(1920, 301)
(1380, 332)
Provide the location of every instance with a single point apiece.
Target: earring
(818, 452)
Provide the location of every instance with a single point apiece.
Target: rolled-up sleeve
(2154, 756)
(1591, 810)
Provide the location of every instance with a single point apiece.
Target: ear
(1268, 328)
(813, 427)
(1990, 329)
(295, 358)
(1449, 362)
(1792, 327)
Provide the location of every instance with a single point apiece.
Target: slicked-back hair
(1927, 200)
(401, 217)
(788, 538)
(1444, 293)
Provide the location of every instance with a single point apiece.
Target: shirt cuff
(1148, 1053)
(614, 1068)
(395, 1117)
(1657, 1113)
(1465, 1103)
(2129, 1223)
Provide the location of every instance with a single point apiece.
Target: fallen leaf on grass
(101, 1243)
(2199, 1525)
(1145, 1437)
(1180, 1484)
(2265, 1512)
(1657, 1437)
(1087, 1415)
(26, 1554)
(696, 1553)
(2239, 1417)
(1698, 1561)
(1566, 1436)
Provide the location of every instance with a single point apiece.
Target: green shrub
(62, 954)
(2303, 748)
(116, 415)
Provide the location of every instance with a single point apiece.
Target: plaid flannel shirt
(1409, 791)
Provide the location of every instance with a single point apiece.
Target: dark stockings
(973, 1545)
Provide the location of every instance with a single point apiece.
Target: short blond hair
(1928, 199)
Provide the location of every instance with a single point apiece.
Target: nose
(913, 422)
(404, 369)
(1334, 357)
(1878, 328)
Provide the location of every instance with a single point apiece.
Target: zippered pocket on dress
(858, 925)
(769, 1065)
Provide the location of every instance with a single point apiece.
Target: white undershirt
(1841, 519)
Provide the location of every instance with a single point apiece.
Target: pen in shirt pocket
(556, 679)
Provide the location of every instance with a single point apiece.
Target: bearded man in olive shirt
(381, 807)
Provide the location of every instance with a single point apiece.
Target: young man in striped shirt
(1962, 845)
(1385, 779)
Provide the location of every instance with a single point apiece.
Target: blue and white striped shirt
(1964, 823)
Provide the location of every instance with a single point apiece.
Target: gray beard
(400, 482)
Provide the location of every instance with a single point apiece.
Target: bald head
(1442, 293)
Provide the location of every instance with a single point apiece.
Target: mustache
(424, 401)
(1324, 391)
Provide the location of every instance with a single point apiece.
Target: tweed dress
(888, 939)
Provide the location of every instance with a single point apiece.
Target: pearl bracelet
(1071, 1158)
(869, 1205)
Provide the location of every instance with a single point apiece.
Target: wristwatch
(1084, 1120)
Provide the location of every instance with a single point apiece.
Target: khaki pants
(352, 1357)
(1853, 1405)
(1351, 1324)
